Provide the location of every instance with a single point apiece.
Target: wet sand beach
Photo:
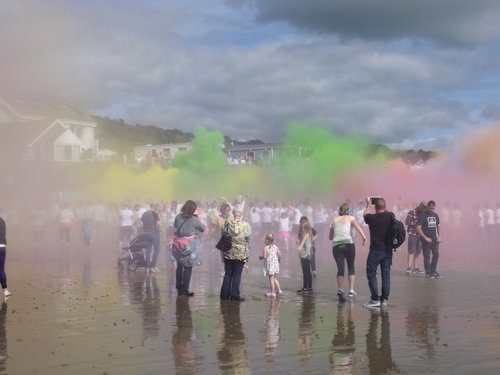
(74, 312)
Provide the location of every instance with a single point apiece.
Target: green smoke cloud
(314, 160)
(311, 163)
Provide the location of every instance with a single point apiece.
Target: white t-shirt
(100, 213)
(254, 217)
(298, 215)
(456, 217)
(266, 214)
(481, 218)
(284, 225)
(309, 213)
(445, 216)
(66, 216)
(126, 217)
(490, 217)
(342, 229)
(320, 215)
(277, 214)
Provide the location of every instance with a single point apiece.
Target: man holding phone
(380, 254)
(428, 229)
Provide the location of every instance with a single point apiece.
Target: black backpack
(396, 234)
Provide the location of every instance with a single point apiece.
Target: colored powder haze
(313, 163)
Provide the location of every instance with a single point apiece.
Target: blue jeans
(232, 279)
(427, 249)
(384, 259)
(155, 241)
(182, 277)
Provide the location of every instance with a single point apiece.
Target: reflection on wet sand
(306, 328)
(232, 353)
(186, 358)
(378, 346)
(341, 359)
(140, 291)
(145, 299)
(75, 313)
(3, 338)
(272, 330)
(422, 328)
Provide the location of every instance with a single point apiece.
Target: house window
(68, 152)
(78, 130)
(183, 149)
(166, 152)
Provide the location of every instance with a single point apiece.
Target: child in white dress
(271, 256)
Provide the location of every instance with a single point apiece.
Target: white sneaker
(372, 303)
(6, 293)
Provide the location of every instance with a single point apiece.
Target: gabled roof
(53, 133)
(67, 137)
(48, 130)
(23, 133)
(24, 107)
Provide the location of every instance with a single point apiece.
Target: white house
(47, 130)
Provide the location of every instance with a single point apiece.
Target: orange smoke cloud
(482, 152)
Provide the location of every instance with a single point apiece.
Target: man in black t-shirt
(380, 254)
(151, 227)
(428, 229)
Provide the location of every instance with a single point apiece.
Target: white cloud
(102, 57)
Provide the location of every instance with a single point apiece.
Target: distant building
(46, 130)
(260, 152)
(153, 153)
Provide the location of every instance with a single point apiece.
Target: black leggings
(3, 277)
(306, 272)
(342, 253)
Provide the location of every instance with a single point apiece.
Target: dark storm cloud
(454, 22)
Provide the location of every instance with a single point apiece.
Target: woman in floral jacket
(236, 257)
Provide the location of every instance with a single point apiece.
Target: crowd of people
(278, 229)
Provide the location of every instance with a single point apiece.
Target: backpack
(396, 234)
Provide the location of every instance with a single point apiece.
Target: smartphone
(373, 200)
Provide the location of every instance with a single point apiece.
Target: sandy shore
(73, 312)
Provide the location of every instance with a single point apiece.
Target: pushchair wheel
(131, 265)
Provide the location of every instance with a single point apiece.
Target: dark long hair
(188, 209)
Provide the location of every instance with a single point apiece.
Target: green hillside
(121, 137)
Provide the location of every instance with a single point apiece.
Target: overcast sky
(416, 73)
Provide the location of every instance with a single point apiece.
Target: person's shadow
(232, 353)
(378, 347)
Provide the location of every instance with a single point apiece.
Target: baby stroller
(135, 255)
